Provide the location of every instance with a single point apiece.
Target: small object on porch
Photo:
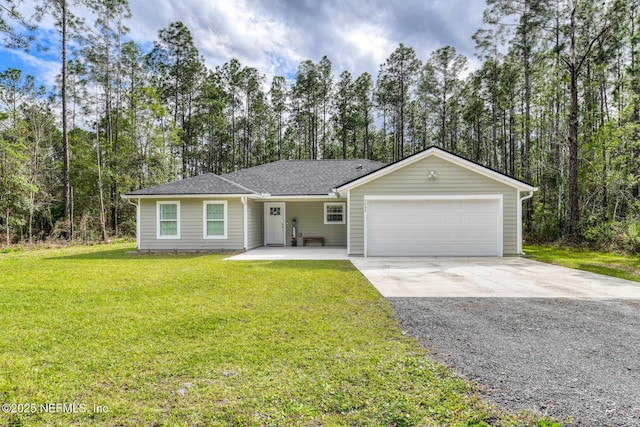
(312, 239)
(294, 240)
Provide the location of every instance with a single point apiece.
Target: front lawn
(97, 336)
(609, 264)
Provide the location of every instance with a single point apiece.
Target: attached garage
(435, 203)
(433, 226)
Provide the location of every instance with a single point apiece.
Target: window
(215, 220)
(274, 211)
(334, 213)
(168, 220)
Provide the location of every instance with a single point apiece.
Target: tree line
(555, 102)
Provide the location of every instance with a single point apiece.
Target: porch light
(293, 222)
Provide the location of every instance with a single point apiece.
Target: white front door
(274, 224)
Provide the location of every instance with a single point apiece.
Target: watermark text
(52, 408)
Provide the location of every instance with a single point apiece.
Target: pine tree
(179, 71)
(278, 96)
(396, 81)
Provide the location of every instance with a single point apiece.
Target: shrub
(632, 241)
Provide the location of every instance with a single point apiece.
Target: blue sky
(275, 36)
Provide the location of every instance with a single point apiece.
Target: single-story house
(433, 203)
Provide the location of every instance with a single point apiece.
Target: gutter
(187, 196)
(528, 196)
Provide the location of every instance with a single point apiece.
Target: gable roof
(302, 177)
(281, 178)
(309, 177)
(443, 154)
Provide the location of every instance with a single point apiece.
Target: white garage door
(434, 227)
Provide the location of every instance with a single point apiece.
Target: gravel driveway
(569, 359)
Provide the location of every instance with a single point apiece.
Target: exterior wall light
(432, 175)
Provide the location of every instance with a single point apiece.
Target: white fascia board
(265, 197)
(385, 170)
(437, 197)
(330, 196)
(433, 151)
(486, 172)
(188, 196)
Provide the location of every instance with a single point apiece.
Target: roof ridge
(236, 184)
(328, 160)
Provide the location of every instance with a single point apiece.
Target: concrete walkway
(489, 278)
(292, 253)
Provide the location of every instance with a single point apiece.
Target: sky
(274, 36)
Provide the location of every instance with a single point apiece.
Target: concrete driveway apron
(488, 278)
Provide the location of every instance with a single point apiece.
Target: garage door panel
(460, 227)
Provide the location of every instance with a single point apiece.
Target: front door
(274, 224)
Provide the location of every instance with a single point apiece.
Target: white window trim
(344, 212)
(177, 203)
(204, 219)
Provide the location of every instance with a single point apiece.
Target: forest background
(554, 101)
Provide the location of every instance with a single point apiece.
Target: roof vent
(359, 167)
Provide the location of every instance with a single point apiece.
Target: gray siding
(191, 227)
(451, 180)
(255, 219)
(310, 223)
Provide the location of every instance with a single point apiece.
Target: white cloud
(45, 71)
(367, 46)
(274, 36)
(224, 30)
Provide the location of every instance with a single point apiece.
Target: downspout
(348, 222)
(365, 224)
(246, 223)
(138, 224)
(335, 193)
(137, 205)
(522, 199)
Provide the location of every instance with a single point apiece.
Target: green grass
(186, 340)
(609, 264)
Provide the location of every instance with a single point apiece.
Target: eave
(188, 196)
(222, 196)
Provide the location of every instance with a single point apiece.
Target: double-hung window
(168, 220)
(215, 220)
(334, 213)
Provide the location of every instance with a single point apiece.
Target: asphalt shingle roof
(202, 184)
(302, 177)
(281, 178)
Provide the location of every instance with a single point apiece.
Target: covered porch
(318, 220)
